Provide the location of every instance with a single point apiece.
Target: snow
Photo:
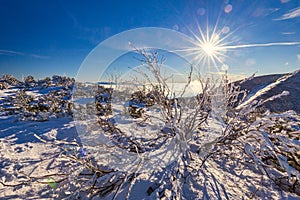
(21, 151)
(32, 149)
(7, 92)
(265, 89)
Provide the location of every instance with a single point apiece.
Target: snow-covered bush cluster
(36, 100)
(220, 124)
(103, 99)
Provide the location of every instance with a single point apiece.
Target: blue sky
(46, 37)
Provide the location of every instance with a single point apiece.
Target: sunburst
(210, 47)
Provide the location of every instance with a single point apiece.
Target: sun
(208, 48)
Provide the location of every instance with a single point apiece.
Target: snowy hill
(291, 84)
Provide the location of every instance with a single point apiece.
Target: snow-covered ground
(35, 156)
(22, 153)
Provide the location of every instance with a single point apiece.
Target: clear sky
(46, 37)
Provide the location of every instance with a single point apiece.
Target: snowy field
(22, 155)
(48, 152)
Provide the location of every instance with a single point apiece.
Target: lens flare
(210, 46)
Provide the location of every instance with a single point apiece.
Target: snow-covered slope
(264, 87)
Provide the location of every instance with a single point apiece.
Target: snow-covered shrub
(54, 102)
(63, 81)
(29, 82)
(44, 83)
(3, 85)
(11, 80)
(103, 99)
(246, 129)
(140, 100)
(268, 139)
